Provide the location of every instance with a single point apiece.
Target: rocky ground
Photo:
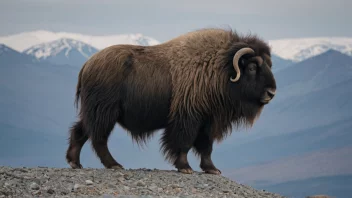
(65, 182)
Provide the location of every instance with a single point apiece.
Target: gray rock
(89, 182)
(50, 191)
(34, 186)
(36, 192)
(121, 179)
(160, 189)
(76, 187)
(140, 183)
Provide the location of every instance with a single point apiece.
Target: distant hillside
(280, 63)
(316, 73)
(338, 186)
(9, 55)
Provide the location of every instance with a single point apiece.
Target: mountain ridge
(63, 41)
(298, 49)
(25, 40)
(290, 49)
(315, 66)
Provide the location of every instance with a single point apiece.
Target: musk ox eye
(252, 67)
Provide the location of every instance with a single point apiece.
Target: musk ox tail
(78, 88)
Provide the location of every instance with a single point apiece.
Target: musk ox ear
(236, 58)
(268, 60)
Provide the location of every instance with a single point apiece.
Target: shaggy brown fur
(182, 86)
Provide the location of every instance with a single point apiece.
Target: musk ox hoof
(75, 165)
(213, 171)
(186, 170)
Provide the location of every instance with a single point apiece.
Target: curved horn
(236, 58)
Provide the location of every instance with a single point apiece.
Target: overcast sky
(162, 19)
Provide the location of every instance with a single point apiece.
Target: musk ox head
(253, 77)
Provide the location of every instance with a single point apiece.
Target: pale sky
(162, 19)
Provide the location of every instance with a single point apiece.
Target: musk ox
(196, 87)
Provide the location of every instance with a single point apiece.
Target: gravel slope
(66, 182)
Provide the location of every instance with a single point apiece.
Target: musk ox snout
(268, 95)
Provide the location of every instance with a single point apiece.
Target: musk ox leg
(177, 141)
(99, 137)
(76, 142)
(181, 163)
(102, 150)
(203, 146)
(99, 120)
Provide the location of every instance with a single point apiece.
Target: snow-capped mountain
(25, 40)
(62, 51)
(302, 48)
